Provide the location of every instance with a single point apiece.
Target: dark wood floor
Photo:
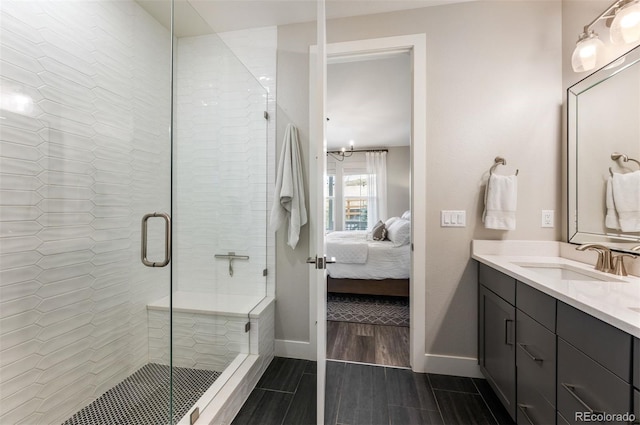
(358, 394)
(374, 344)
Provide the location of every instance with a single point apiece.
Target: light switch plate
(453, 218)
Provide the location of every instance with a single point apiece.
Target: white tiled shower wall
(85, 137)
(224, 161)
(80, 155)
(201, 341)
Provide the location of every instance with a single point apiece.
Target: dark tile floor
(286, 394)
(369, 395)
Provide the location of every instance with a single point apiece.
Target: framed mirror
(604, 155)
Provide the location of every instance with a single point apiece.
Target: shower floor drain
(143, 398)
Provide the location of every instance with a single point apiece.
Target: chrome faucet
(604, 263)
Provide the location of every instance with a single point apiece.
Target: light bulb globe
(625, 27)
(585, 55)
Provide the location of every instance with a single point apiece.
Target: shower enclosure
(135, 166)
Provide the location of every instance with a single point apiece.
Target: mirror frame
(619, 241)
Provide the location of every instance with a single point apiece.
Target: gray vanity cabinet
(535, 356)
(584, 386)
(496, 342)
(594, 366)
(546, 360)
(636, 380)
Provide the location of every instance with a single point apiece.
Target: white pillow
(390, 221)
(406, 215)
(399, 232)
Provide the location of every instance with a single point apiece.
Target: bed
(365, 266)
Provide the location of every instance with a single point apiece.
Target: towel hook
(499, 161)
(617, 155)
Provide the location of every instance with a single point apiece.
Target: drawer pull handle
(531, 356)
(572, 391)
(507, 340)
(523, 408)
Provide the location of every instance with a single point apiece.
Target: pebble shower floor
(143, 398)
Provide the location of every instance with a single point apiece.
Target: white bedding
(347, 249)
(384, 261)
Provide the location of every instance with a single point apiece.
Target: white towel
(500, 200)
(288, 203)
(626, 195)
(611, 219)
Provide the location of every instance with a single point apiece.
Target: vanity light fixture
(623, 18)
(343, 152)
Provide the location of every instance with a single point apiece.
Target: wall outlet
(449, 218)
(547, 218)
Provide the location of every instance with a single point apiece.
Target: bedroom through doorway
(368, 208)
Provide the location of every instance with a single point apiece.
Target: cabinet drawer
(537, 304)
(596, 339)
(533, 409)
(535, 358)
(498, 282)
(636, 406)
(582, 380)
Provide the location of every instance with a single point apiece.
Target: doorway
(416, 45)
(367, 207)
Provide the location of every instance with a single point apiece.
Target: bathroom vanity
(557, 341)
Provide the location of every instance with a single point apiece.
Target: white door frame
(416, 45)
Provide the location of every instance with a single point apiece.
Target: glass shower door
(85, 153)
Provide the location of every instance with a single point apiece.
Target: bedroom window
(355, 201)
(329, 203)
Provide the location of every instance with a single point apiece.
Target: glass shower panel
(219, 198)
(85, 152)
(220, 190)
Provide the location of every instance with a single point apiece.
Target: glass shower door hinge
(266, 115)
(264, 272)
(193, 417)
(247, 326)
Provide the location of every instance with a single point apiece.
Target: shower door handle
(167, 240)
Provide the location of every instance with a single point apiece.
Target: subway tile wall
(200, 341)
(85, 130)
(223, 148)
(85, 152)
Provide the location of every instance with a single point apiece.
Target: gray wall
(398, 181)
(494, 87)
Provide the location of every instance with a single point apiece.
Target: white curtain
(376, 187)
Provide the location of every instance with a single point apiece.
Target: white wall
(78, 170)
(493, 88)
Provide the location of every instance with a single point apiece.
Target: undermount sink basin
(567, 272)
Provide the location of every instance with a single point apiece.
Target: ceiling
(368, 100)
(198, 17)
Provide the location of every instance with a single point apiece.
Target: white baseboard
(294, 349)
(450, 365)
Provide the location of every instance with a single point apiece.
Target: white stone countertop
(614, 300)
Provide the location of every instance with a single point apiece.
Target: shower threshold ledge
(209, 303)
